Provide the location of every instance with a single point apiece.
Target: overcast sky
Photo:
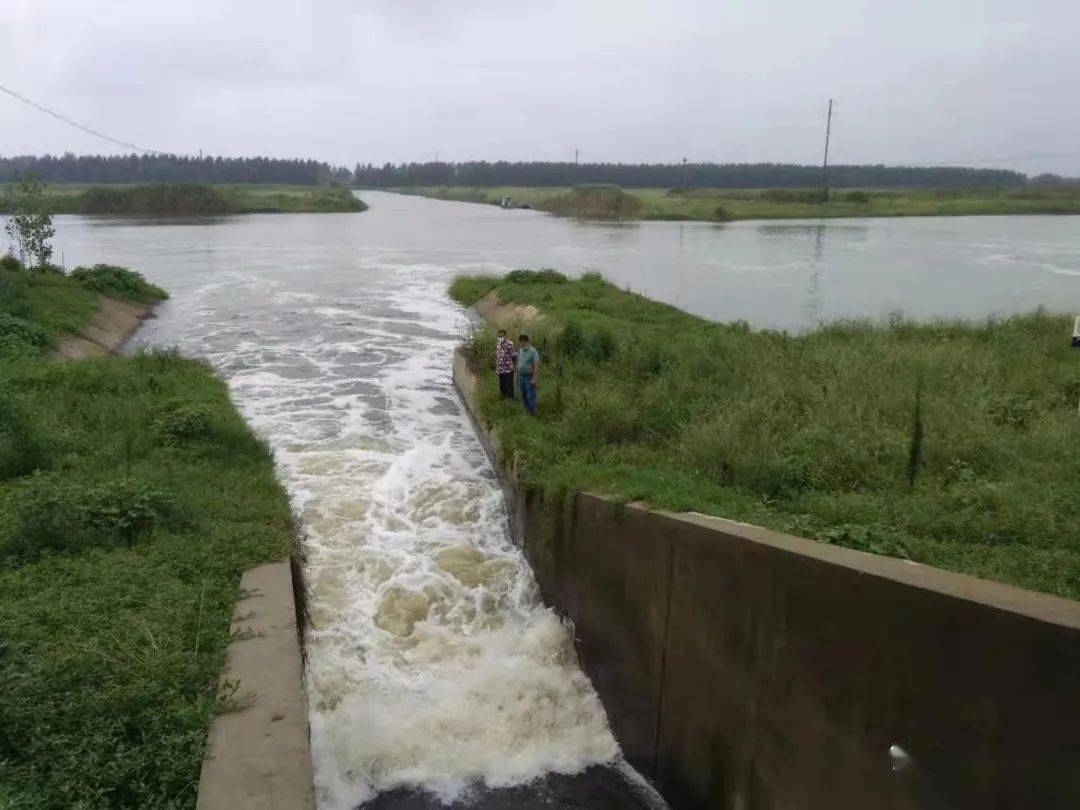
(978, 82)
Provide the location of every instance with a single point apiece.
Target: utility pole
(684, 179)
(575, 157)
(825, 163)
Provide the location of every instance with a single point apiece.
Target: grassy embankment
(132, 496)
(191, 199)
(723, 205)
(814, 434)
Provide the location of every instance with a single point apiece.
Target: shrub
(57, 518)
(651, 359)
(545, 275)
(857, 197)
(184, 424)
(721, 213)
(22, 449)
(600, 346)
(13, 299)
(570, 340)
(109, 279)
(10, 263)
(18, 336)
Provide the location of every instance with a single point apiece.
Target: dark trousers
(506, 384)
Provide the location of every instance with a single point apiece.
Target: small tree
(30, 225)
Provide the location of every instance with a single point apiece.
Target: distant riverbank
(190, 199)
(725, 205)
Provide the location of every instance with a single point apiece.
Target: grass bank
(191, 199)
(132, 496)
(951, 444)
(724, 205)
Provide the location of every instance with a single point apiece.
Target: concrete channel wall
(258, 756)
(749, 670)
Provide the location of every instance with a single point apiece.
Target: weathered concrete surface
(113, 323)
(775, 672)
(259, 758)
(505, 316)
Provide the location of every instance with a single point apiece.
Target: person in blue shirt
(528, 363)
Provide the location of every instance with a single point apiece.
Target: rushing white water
(431, 661)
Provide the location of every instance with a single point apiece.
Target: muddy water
(433, 665)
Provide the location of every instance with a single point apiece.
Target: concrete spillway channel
(435, 675)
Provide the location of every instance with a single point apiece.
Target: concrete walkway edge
(258, 757)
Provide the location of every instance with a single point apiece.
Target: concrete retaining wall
(258, 757)
(112, 325)
(745, 669)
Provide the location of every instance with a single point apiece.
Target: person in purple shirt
(505, 361)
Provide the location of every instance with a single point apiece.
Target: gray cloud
(622, 80)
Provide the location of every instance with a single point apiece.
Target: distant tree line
(157, 168)
(1050, 180)
(675, 175)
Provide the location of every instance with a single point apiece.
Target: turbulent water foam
(432, 661)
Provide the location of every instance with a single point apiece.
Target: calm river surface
(432, 663)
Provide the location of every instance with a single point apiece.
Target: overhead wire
(71, 122)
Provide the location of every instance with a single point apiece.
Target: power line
(76, 124)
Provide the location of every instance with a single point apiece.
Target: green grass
(722, 205)
(810, 434)
(132, 496)
(60, 305)
(190, 199)
(118, 282)
(52, 303)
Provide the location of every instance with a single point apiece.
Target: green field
(722, 205)
(132, 496)
(952, 444)
(165, 199)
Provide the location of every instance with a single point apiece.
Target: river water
(432, 662)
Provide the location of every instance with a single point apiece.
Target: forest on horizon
(162, 168)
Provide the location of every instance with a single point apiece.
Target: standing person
(505, 358)
(528, 364)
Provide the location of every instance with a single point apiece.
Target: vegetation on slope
(132, 496)
(951, 444)
(717, 205)
(118, 282)
(192, 199)
(53, 305)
